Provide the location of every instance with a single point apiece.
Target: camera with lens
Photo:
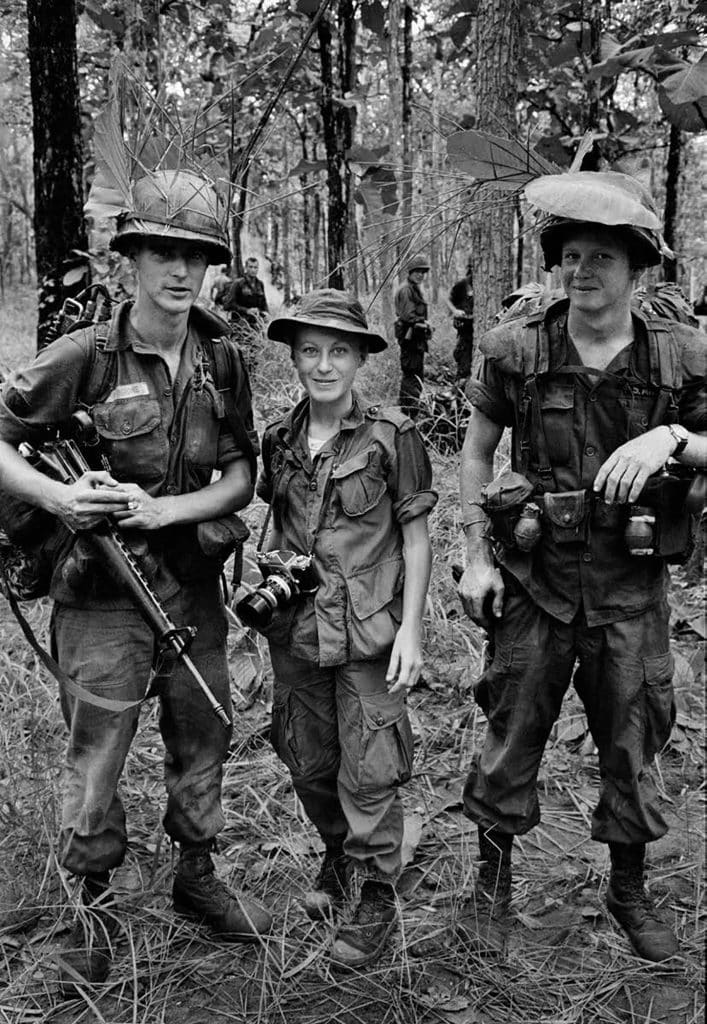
(286, 577)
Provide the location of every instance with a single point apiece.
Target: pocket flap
(219, 537)
(565, 509)
(127, 417)
(380, 710)
(353, 465)
(372, 589)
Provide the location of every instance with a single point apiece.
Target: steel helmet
(418, 262)
(589, 198)
(178, 205)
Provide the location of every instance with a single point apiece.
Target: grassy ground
(566, 963)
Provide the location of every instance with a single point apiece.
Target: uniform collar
(295, 423)
(120, 335)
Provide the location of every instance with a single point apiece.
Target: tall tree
(59, 226)
(497, 58)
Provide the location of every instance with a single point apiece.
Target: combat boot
(484, 919)
(331, 887)
(87, 954)
(632, 907)
(198, 894)
(366, 935)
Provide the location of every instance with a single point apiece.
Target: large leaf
(653, 59)
(111, 190)
(373, 17)
(609, 198)
(689, 85)
(671, 40)
(307, 167)
(504, 163)
(460, 30)
(690, 117)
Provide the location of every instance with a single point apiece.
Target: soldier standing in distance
(412, 332)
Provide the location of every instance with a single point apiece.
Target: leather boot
(630, 904)
(198, 894)
(366, 935)
(331, 887)
(87, 954)
(484, 919)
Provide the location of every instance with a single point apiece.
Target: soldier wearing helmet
(566, 555)
(170, 400)
(412, 332)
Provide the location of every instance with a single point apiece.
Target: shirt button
(592, 397)
(171, 489)
(167, 392)
(313, 485)
(566, 517)
(126, 427)
(644, 421)
(587, 557)
(379, 720)
(590, 450)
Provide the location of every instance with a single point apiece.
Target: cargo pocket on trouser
(386, 743)
(660, 706)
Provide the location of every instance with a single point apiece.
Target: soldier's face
(169, 274)
(596, 271)
(251, 268)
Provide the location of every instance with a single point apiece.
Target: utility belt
(413, 334)
(660, 523)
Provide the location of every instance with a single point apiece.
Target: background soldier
(247, 304)
(412, 332)
(158, 406)
(598, 399)
(461, 306)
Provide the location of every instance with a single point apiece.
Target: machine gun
(64, 460)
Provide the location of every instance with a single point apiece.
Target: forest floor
(566, 962)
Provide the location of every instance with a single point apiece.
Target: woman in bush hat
(349, 485)
(598, 397)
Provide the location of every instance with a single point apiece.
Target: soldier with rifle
(170, 401)
(567, 554)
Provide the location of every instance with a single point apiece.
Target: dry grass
(565, 963)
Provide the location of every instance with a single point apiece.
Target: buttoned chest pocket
(204, 414)
(360, 482)
(637, 406)
(557, 404)
(133, 437)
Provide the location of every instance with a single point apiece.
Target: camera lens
(256, 610)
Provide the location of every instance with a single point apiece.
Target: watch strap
(681, 441)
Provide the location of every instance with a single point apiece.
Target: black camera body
(287, 576)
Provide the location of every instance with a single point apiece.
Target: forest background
(340, 127)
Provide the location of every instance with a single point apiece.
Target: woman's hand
(84, 503)
(405, 660)
(143, 512)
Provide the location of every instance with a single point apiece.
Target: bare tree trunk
(59, 226)
(336, 233)
(406, 111)
(672, 184)
(497, 60)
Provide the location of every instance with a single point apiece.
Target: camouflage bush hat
(177, 205)
(418, 262)
(589, 198)
(331, 309)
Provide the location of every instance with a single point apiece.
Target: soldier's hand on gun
(85, 502)
(143, 512)
(481, 593)
(405, 662)
(625, 472)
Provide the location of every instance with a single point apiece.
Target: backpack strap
(230, 378)
(665, 371)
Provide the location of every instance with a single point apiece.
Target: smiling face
(169, 274)
(596, 270)
(327, 364)
(417, 276)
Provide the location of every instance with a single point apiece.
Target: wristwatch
(680, 436)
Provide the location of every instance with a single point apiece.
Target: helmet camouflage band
(178, 205)
(589, 198)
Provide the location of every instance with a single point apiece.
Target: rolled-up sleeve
(411, 478)
(487, 393)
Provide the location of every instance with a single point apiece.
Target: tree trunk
(592, 160)
(346, 116)
(59, 226)
(497, 60)
(406, 76)
(390, 244)
(336, 233)
(672, 183)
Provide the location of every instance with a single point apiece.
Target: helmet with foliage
(178, 205)
(590, 198)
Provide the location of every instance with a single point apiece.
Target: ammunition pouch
(667, 495)
(567, 516)
(199, 551)
(502, 500)
(415, 335)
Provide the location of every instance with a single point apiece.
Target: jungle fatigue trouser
(110, 653)
(348, 745)
(624, 681)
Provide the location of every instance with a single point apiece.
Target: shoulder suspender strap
(225, 373)
(101, 372)
(666, 372)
